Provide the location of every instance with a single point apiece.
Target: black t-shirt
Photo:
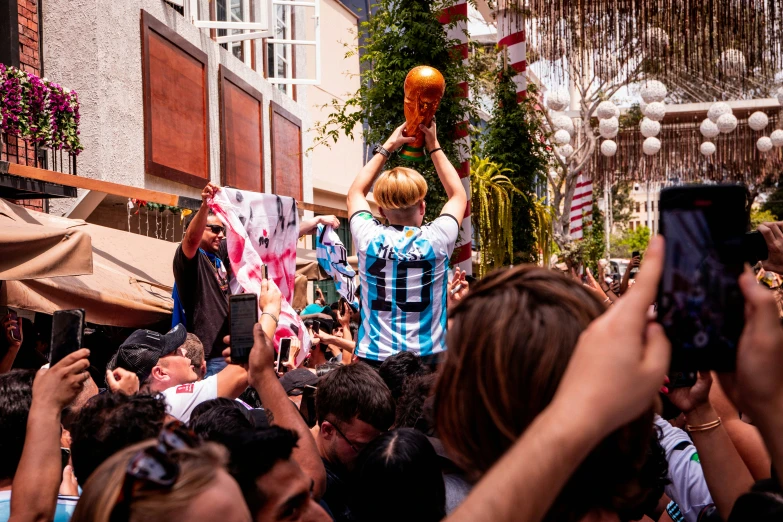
(337, 493)
(204, 296)
(761, 504)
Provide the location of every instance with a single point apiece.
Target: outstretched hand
(773, 236)
(458, 288)
(637, 356)
(58, 386)
(688, 399)
(397, 139)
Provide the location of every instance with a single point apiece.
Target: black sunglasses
(217, 229)
(153, 467)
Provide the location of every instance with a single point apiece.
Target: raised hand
(458, 287)
(58, 386)
(397, 139)
(773, 235)
(122, 381)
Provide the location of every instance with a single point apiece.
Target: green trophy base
(415, 154)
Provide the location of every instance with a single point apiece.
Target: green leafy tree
(623, 245)
(758, 217)
(401, 35)
(622, 203)
(491, 195)
(514, 140)
(774, 203)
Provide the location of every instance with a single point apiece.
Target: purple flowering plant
(39, 111)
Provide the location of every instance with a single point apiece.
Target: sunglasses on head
(153, 467)
(217, 229)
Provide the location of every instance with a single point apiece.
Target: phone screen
(283, 354)
(67, 332)
(242, 317)
(700, 304)
(307, 406)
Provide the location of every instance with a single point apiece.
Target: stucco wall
(335, 168)
(94, 47)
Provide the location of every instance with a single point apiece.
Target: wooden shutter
(286, 153)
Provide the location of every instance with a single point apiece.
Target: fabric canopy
(130, 284)
(33, 248)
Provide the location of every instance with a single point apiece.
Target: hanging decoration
(656, 111)
(649, 128)
(651, 146)
(709, 129)
(730, 43)
(609, 128)
(558, 100)
(566, 150)
(764, 144)
(606, 110)
(717, 110)
(563, 122)
(777, 138)
(608, 148)
(562, 137)
(780, 96)
(707, 148)
(653, 91)
(758, 121)
(727, 123)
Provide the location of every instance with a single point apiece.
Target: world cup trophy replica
(424, 88)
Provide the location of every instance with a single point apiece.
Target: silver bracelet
(272, 316)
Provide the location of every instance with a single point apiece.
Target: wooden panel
(286, 153)
(176, 128)
(241, 136)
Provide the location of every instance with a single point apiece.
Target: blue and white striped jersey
(404, 284)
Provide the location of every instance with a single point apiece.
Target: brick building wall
(13, 149)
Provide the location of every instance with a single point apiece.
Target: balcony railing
(14, 149)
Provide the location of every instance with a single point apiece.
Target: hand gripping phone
(67, 333)
(283, 354)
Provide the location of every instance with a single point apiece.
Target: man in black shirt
(202, 273)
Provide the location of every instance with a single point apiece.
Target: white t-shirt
(180, 400)
(688, 486)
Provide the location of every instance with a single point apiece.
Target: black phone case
(240, 329)
(67, 334)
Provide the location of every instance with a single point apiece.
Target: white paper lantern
(707, 148)
(651, 146)
(609, 128)
(653, 91)
(764, 144)
(608, 148)
(758, 121)
(709, 129)
(717, 110)
(727, 123)
(606, 110)
(655, 111)
(562, 137)
(649, 128)
(566, 150)
(558, 100)
(777, 138)
(732, 63)
(780, 96)
(563, 122)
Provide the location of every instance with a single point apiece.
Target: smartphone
(265, 271)
(634, 271)
(616, 278)
(67, 333)
(283, 354)
(316, 326)
(307, 406)
(700, 304)
(681, 379)
(15, 334)
(242, 317)
(635, 253)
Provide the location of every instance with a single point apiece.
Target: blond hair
(198, 468)
(399, 188)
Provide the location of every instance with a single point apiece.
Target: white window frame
(316, 42)
(250, 30)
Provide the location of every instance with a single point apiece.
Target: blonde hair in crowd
(198, 468)
(399, 188)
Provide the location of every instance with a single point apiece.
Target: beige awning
(130, 284)
(34, 246)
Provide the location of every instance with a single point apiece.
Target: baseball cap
(294, 381)
(140, 352)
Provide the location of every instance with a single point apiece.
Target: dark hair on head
(510, 341)
(253, 455)
(324, 368)
(220, 422)
(402, 456)
(397, 368)
(110, 422)
(16, 396)
(414, 409)
(355, 390)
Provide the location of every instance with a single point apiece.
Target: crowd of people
(527, 395)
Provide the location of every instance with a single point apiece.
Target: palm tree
(491, 198)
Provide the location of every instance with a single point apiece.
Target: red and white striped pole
(511, 40)
(455, 18)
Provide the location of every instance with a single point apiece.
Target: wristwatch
(380, 150)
